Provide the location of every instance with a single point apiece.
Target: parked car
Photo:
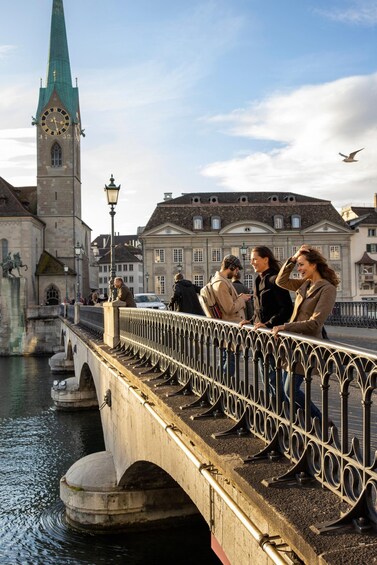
(149, 300)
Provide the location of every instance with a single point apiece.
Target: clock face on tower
(55, 121)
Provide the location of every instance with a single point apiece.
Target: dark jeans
(298, 394)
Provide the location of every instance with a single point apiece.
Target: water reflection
(37, 446)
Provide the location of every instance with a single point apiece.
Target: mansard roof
(366, 260)
(20, 201)
(365, 215)
(123, 254)
(234, 207)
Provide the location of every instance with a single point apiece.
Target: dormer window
(216, 222)
(195, 200)
(56, 155)
(243, 199)
(290, 198)
(197, 223)
(296, 221)
(278, 222)
(273, 198)
(214, 200)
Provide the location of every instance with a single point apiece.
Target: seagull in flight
(351, 157)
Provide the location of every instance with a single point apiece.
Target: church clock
(55, 121)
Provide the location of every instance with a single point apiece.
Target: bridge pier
(67, 395)
(94, 501)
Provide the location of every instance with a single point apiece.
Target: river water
(37, 446)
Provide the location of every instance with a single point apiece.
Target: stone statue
(9, 264)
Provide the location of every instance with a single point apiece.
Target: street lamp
(243, 251)
(78, 251)
(66, 269)
(146, 280)
(179, 268)
(112, 193)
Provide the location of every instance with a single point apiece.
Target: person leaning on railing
(315, 299)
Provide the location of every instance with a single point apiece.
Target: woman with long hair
(272, 304)
(315, 298)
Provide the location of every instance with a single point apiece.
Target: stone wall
(23, 330)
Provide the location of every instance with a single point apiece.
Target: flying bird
(351, 157)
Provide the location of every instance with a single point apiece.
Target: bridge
(184, 436)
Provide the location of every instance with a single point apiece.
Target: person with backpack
(231, 305)
(185, 296)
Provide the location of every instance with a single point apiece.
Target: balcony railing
(337, 449)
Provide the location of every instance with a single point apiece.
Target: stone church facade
(43, 223)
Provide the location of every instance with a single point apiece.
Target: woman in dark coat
(272, 304)
(185, 297)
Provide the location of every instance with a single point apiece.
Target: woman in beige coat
(315, 298)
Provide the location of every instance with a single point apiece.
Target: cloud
(5, 50)
(359, 12)
(295, 138)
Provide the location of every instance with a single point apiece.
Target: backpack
(208, 302)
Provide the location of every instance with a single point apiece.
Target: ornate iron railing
(361, 314)
(92, 318)
(337, 449)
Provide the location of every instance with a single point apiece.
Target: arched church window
(52, 296)
(56, 155)
(4, 248)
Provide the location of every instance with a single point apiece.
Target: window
(4, 248)
(296, 221)
(105, 268)
(159, 255)
(199, 280)
(197, 223)
(131, 267)
(318, 248)
(215, 222)
(52, 296)
(248, 280)
(178, 256)
(197, 255)
(125, 279)
(100, 280)
(100, 268)
(160, 284)
(279, 253)
(295, 248)
(372, 247)
(334, 252)
(371, 232)
(131, 279)
(104, 280)
(278, 222)
(216, 256)
(125, 267)
(56, 155)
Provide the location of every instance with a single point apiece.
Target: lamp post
(78, 251)
(66, 269)
(146, 280)
(112, 193)
(243, 251)
(179, 268)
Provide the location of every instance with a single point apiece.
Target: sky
(202, 95)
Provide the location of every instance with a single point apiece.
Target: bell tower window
(56, 155)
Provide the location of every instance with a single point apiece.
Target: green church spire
(59, 69)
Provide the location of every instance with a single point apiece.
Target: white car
(149, 300)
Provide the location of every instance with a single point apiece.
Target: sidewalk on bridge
(344, 333)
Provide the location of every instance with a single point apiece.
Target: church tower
(58, 150)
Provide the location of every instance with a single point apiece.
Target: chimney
(168, 196)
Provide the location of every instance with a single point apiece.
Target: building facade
(363, 222)
(194, 231)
